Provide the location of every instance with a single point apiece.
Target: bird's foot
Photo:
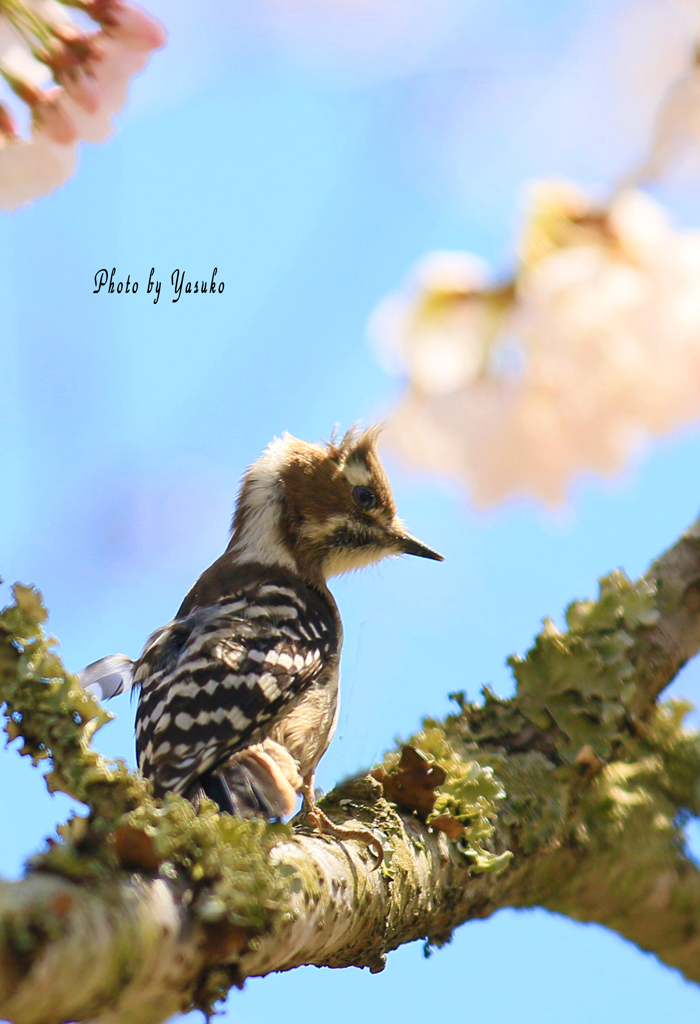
(324, 825)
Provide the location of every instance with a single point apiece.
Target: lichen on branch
(571, 795)
(219, 865)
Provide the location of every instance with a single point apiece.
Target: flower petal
(112, 75)
(134, 28)
(55, 121)
(32, 168)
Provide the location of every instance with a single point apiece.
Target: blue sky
(312, 160)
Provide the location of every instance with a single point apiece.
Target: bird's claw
(324, 825)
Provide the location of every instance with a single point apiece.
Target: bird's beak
(410, 546)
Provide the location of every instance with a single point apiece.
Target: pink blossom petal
(51, 115)
(138, 30)
(33, 168)
(112, 76)
(8, 125)
(130, 25)
(83, 88)
(93, 71)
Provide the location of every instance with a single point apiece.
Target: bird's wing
(218, 679)
(108, 677)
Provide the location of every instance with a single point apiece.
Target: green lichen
(630, 869)
(226, 860)
(471, 793)
(575, 764)
(493, 721)
(537, 797)
(656, 775)
(54, 717)
(563, 775)
(222, 865)
(582, 680)
(574, 689)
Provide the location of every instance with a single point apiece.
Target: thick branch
(124, 951)
(580, 779)
(113, 946)
(132, 949)
(655, 904)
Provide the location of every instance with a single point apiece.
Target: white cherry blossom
(593, 348)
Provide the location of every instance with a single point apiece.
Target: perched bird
(239, 693)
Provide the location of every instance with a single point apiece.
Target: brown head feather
(298, 506)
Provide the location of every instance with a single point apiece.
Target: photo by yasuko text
(105, 280)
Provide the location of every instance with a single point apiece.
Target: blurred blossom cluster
(72, 80)
(591, 348)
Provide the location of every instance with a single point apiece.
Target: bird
(239, 693)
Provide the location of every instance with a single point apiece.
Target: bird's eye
(364, 498)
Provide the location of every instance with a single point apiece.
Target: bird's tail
(108, 676)
(260, 781)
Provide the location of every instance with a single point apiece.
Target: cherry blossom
(73, 83)
(593, 348)
(33, 168)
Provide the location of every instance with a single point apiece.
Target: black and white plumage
(238, 695)
(223, 676)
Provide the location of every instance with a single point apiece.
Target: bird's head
(320, 509)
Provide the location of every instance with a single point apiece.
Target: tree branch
(662, 651)
(572, 796)
(68, 952)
